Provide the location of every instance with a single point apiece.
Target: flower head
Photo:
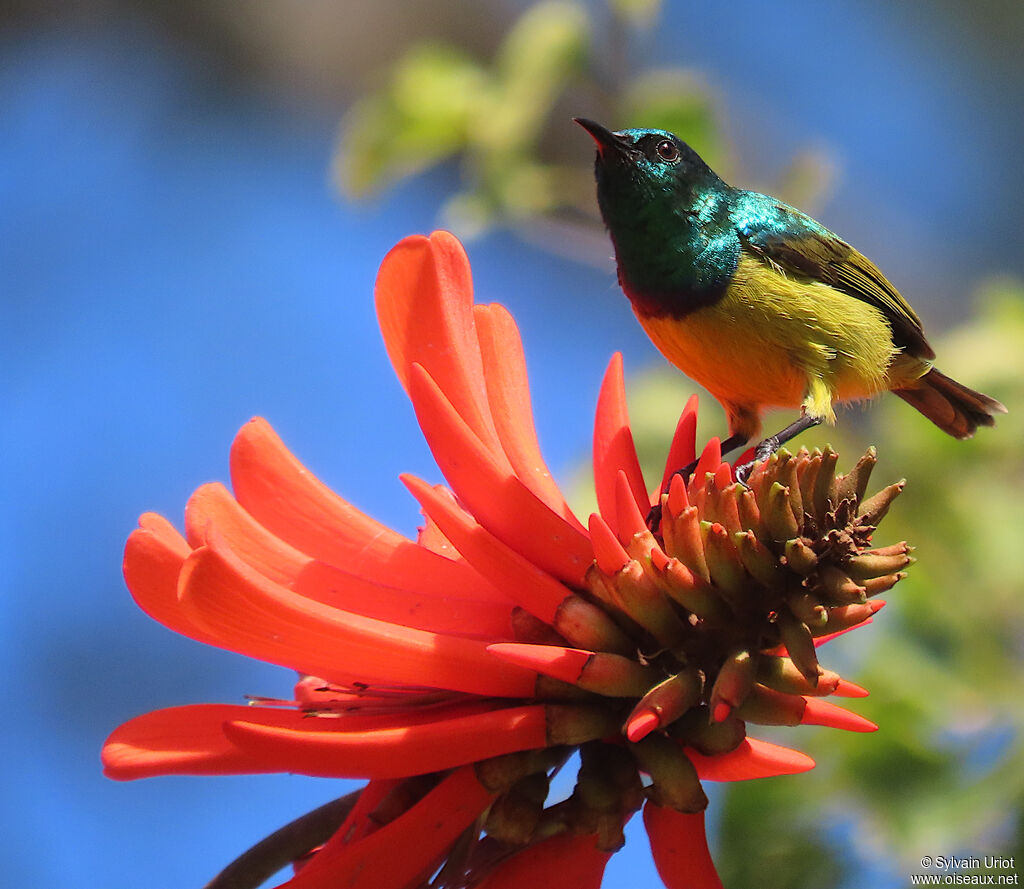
(460, 671)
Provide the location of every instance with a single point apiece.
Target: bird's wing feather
(795, 242)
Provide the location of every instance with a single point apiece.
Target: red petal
(629, 521)
(191, 740)
(166, 532)
(820, 712)
(497, 499)
(212, 507)
(680, 848)
(565, 861)
(847, 689)
(611, 557)
(556, 661)
(288, 500)
(430, 537)
(153, 557)
(519, 579)
(424, 297)
(683, 450)
(438, 614)
(821, 640)
(212, 504)
(710, 460)
(752, 759)
(613, 443)
(250, 614)
(723, 478)
(325, 748)
(678, 499)
(508, 392)
(186, 741)
(359, 823)
(405, 851)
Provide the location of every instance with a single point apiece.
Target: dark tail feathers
(950, 405)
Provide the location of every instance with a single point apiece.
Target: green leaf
(543, 52)
(638, 13)
(422, 116)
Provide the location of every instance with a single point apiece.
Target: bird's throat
(674, 276)
(673, 259)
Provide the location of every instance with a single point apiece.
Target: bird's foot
(762, 451)
(768, 446)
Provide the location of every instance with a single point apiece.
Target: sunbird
(756, 301)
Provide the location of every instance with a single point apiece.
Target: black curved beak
(607, 141)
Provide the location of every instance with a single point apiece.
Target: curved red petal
(213, 505)
(325, 748)
(449, 615)
(359, 823)
(683, 450)
(405, 851)
(710, 460)
(518, 578)
(680, 848)
(166, 532)
(430, 537)
(678, 498)
(153, 558)
(629, 521)
(613, 444)
(724, 478)
(751, 759)
(191, 740)
(611, 557)
(556, 661)
(186, 741)
(248, 613)
(821, 712)
(290, 502)
(565, 861)
(508, 392)
(846, 689)
(492, 493)
(424, 297)
(828, 637)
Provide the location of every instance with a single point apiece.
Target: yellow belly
(775, 341)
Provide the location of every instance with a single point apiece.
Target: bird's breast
(769, 334)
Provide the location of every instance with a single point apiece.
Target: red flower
(459, 671)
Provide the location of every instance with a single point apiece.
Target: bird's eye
(667, 150)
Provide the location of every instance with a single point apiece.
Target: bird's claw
(763, 451)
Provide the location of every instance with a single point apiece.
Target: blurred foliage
(505, 122)
(944, 661)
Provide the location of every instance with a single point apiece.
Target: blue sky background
(173, 262)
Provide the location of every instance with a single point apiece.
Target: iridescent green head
(643, 165)
(664, 207)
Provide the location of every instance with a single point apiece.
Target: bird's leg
(734, 441)
(770, 445)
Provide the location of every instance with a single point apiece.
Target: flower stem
(283, 846)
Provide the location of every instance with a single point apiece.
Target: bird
(759, 303)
